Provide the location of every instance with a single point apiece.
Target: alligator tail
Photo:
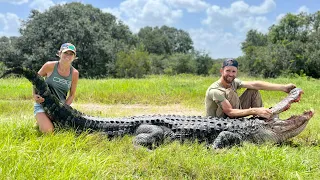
(32, 76)
(51, 105)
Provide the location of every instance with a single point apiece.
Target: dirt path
(136, 109)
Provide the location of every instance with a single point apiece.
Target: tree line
(290, 47)
(107, 48)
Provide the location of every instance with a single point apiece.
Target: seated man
(222, 100)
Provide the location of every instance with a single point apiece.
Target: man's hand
(38, 98)
(289, 87)
(264, 112)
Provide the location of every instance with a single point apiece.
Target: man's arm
(261, 85)
(228, 110)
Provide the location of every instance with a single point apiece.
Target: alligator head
(278, 131)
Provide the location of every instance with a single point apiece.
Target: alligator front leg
(226, 139)
(151, 136)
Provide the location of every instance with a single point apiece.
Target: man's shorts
(37, 108)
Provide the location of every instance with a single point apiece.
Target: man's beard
(228, 79)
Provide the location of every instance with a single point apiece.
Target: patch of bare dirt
(136, 109)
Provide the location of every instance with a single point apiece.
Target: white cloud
(141, 13)
(237, 8)
(259, 23)
(265, 7)
(9, 24)
(217, 43)
(190, 5)
(279, 17)
(229, 24)
(226, 27)
(15, 1)
(303, 9)
(41, 5)
(240, 16)
(114, 11)
(62, 2)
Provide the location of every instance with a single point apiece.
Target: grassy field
(27, 154)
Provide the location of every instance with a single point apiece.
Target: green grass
(27, 154)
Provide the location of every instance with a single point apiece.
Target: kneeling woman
(61, 78)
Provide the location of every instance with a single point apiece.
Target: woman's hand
(38, 98)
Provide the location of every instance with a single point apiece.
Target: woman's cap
(68, 47)
(230, 62)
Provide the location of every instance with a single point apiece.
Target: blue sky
(216, 27)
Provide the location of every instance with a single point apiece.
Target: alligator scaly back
(151, 129)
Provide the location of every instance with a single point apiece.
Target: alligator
(152, 130)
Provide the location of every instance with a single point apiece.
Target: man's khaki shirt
(215, 94)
